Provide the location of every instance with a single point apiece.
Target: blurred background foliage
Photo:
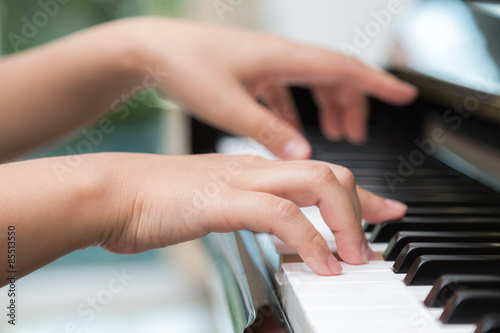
(75, 15)
(139, 132)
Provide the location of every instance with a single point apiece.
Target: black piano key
(383, 232)
(428, 268)
(423, 173)
(447, 285)
(368, 227)
(385, 189)
(468, 306)
(412, 251)
(423, 182)
(350, 156)
(489, 323)
(462, 210)
(401, 239)
(456, 198)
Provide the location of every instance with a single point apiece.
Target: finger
(279, 100)
(253, 120)
(301, 182)
(346, 180)
(380, 84)
(355, 114)
(231, 108)
(302, 64)
(313, 183)
(377, 209)
(262, 212)
(330, 111)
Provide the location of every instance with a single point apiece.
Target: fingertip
(410, 88)
(396, 207)
(296, 149)
(357, 139)
(333, 265)
(408, 92)
(381, 210)
(333, 136)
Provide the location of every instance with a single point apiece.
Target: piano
(439, 266)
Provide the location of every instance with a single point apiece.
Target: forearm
(54, 89)
(51, 216)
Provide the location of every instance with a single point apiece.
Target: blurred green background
(141, 131)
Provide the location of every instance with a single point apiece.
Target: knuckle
(220, 214)
(316, 240)
(284, 211)
(320, 173)
(346, 177)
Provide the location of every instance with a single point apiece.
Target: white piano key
(302, 275)
(365, 298)
(390, 327)
(376, 288)
(376, 265)
(357, 301)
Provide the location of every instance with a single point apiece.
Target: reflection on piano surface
(441, 263)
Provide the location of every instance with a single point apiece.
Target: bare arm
(52, 90)
(50, 217)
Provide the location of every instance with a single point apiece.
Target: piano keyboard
(452, 228)
(367, 298)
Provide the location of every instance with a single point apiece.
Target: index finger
(302, 64)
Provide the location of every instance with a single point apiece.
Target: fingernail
(334, 265)
(296, 149)
(396, 205)
(365, 255)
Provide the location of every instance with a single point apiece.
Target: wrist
(94, 192)
(135, 52)
(111, 197)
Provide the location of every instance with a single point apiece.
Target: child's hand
(163, 200)
(218, 73)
